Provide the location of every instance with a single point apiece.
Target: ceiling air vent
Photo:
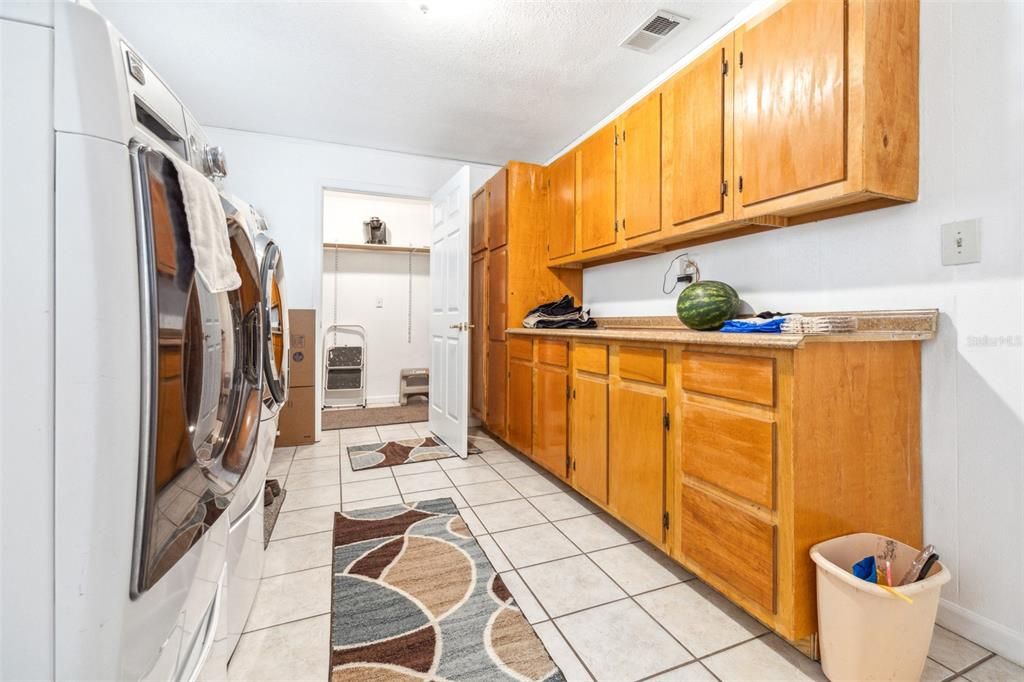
(650, 34)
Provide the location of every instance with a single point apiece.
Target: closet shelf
(389, 248)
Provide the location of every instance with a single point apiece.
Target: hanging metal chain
(408, 320)
(334, 314)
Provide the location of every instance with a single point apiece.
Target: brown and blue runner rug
(395, 452)
(415, 598)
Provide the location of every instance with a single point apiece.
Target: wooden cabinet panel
(497, 209)
(730, 450)
(791, 100)
(497, 294)
(497, 382)
(478, 227)
(550, 440)
(520, 348)
(589, 441)
(590, 357)
(553, 352)
(562, 207)
(636, 458)
(596, 195)
(642, 364)
(477, 335)
(520, 404)
(729, 543)
(638, 168)
(751, 379)
(697, 140)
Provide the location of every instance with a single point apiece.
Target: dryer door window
(275, 327)
(200, 379)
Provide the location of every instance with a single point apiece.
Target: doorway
(376, 306)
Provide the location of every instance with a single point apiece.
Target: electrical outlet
(961, 242)
(380, 302)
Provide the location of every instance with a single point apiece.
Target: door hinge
(725, 67)
(725, 188)
(574, 394)
(741, 59)
(666, 421)
(616, 138)
(664, 520)
(739, 184)
(568, 462)
(616, 225)
(567, 392)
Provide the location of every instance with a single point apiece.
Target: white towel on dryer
(208, 229)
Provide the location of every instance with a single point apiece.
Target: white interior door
(449, 313)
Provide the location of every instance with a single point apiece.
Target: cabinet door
(520, 405)
(497, 294)
(562, 207)
(589, 440)
(478, 334)
(478, 231)
(697, 139)
(791, 100)
(551, 418)
(597, 190)
(636, 458)
(638, 169)
(497, 382)
(497, 210)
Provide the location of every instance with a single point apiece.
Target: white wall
(972, 166)
(285, 177)
(358, 279)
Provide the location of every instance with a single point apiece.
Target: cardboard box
(297, 424)
(302, 337)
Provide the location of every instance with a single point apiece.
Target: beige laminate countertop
(904, 325)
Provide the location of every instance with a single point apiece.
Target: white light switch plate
(961, 242)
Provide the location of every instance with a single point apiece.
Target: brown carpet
(374, 416)
(415, 598)
(394, 452)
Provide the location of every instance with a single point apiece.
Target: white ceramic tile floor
(591, 589)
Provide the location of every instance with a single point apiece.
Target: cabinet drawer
(520, 348)
(590, 357)
(552, 352)
(747, 378)
(731, 544)
(732, 451)
(642, 364)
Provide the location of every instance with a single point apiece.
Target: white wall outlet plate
(961, 242)
(380, 301)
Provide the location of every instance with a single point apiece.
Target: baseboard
(382, 399)
(992, 635)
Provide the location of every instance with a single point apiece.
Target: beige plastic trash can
(865, 633)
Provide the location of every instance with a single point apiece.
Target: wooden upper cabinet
(497, 294)
(792, 91)
(697, 141)
(596, 190)
(497, 209)
(638, 168)
(478, 227)
(562, 207)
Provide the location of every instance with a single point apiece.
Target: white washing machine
(158, 382)
(246, 534)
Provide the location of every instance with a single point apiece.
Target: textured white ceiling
(475, 80)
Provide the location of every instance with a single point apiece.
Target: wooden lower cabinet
(497, 383)
(589, 436)
(520, 403)
(733, 460)
(636, 458)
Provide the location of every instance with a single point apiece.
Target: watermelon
(707, 304)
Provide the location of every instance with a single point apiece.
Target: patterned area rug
(415, 598)
(395, 452)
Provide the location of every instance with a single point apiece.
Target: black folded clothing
(560, 314)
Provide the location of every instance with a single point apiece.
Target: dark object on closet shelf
(560, 314)
(376, 231)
